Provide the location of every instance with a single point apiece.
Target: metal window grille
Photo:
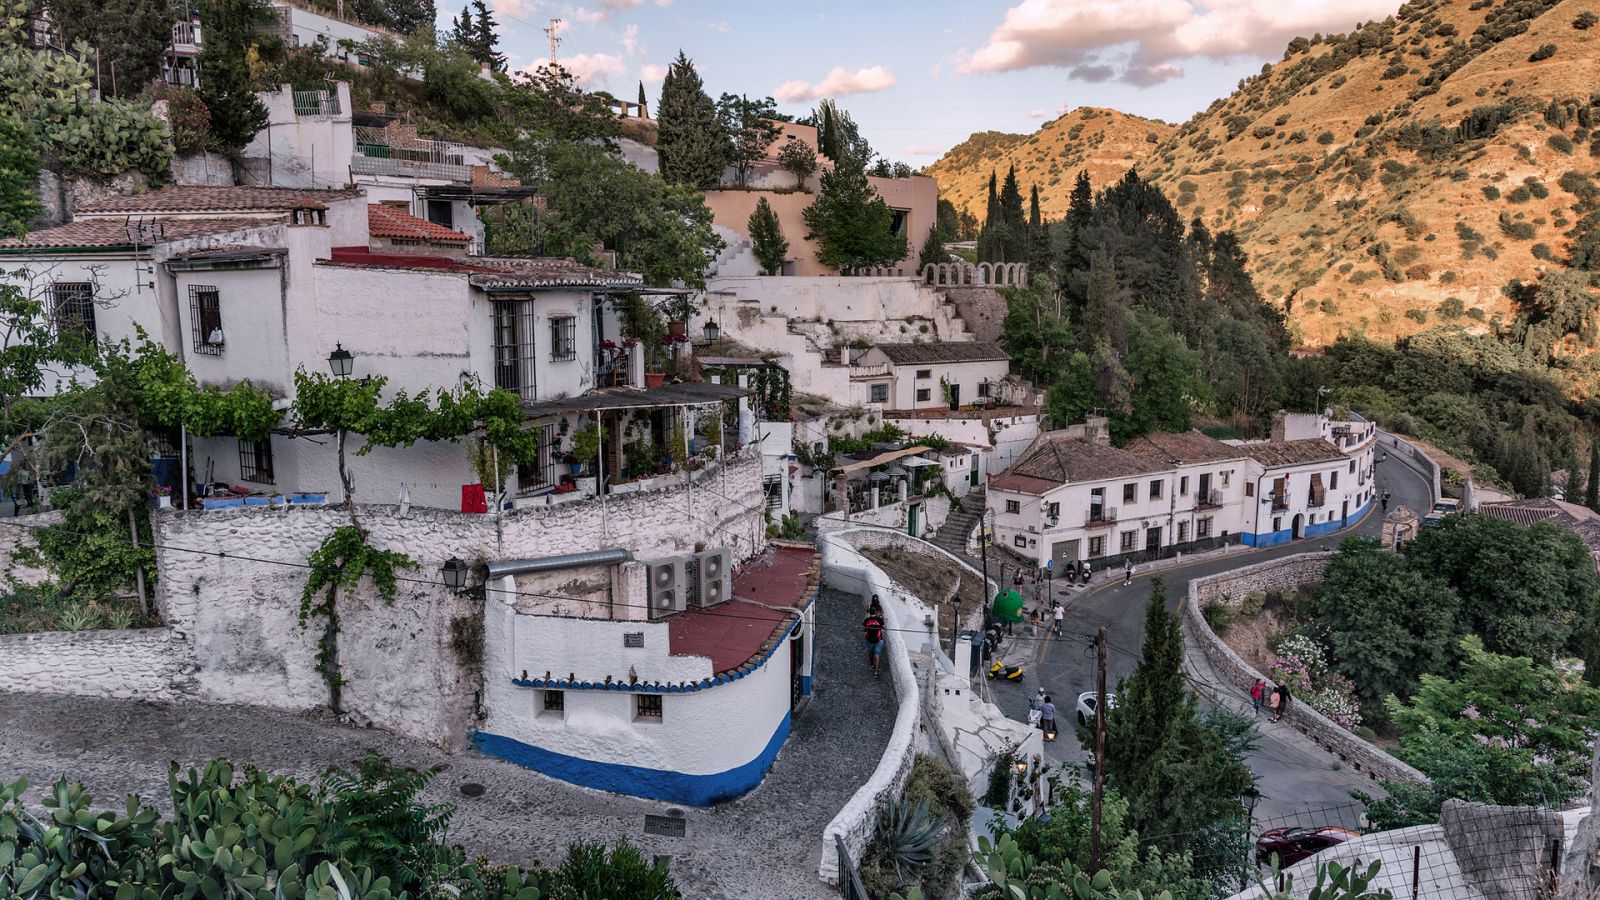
(563, 339)
(880, 393)
(555, 701)
(540, 472)
(1202, 527)
(205, 319)
(1128, 541)
(72, 309)
(1130, 493)
(513, 347)
(648, 706)
(773, 485)
(255, 461)
(1097, 546)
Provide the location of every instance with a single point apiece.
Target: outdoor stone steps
(957, 528)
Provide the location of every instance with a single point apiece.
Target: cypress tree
(693, 144)
(643, 102)
(225, 82)
(990, 242)
(1591, 494)
(487, 41)
(766, 238)
(1038, 235)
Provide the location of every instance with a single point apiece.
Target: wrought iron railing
(316, 102)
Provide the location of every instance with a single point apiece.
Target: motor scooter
(1000, 670)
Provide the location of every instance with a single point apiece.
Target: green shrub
(1545, 51)
(1417, 315)
(1452, 308)
(1325, 138)
(1253, 602)
(1519, 231)
(1560, 143)
(1491, 192)
(1219, 616)
(1585, 21)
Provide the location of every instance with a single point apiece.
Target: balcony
(186, 39)
(1208, 500)
(179, 75)
(1100, 518)
(411, 158)
(316, 102)
(1280, 502)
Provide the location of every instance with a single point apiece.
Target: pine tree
(766, 238)
(693, 146)
(129, 38)
(226, 85)
(1591, 495)
(486, 41)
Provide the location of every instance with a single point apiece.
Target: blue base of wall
(1274, 538)
(805, 685)
(654, 784)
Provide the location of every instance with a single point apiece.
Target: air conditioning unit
(710, 576)
(665, 585)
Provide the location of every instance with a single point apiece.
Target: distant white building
(929, 375)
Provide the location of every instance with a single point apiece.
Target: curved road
(1297, 782)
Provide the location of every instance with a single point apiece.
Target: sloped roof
(388, 222)
(1065, 460)
(506, 272)
(108, 233)
(209, 198)
(941, 352)
(1292, 453)
(1182, 448)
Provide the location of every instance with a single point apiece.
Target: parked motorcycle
(1004, 672)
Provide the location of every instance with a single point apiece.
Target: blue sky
(921, 76)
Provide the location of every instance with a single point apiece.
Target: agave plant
(910, 834)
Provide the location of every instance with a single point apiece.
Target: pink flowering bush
(1302, 664)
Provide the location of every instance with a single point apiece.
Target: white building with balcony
(1307, 487)
(930, 375)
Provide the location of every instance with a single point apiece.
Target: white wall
(1007, 436)
(306, 26)
(304, 151)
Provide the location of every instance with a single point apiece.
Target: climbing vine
(340, 562)
(169, 396)
(772, 392)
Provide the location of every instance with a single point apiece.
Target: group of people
(1058, 613)
(1042, 712)
(1276, 699)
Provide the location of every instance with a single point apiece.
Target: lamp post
(455, 573)
(712, 331)
(341, 361)
(1249, 797)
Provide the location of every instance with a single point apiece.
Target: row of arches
(984, 274)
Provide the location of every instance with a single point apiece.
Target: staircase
(957, 529)
(737, 257)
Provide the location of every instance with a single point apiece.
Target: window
(205, 319)
(1130, 492)
(555, 703)
(647, 707)
(72, 309)
(255, 461)
(880, 393)
(1277, 523)
(923, 395)
(1183, 532)
(1352, 465)
(539, 472)
(1225, 477)
(563, 339)
(513, 347)
(1013, 506)
(1129, 541)
(1249, 489)
(1183, 486)
(1333, 481)
(1053, 510)
(1097, 546)
(1155, 490)
(924, 373)
(1019, 541)
(983, 389)
(1202, 527)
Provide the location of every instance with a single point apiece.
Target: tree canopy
(852, 225)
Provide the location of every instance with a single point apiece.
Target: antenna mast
(554, 31)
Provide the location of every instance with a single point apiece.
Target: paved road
(1294, 777)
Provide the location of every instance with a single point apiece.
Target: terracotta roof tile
(211, 198)
(546, 272)
(1182, 448)
(942, 352)
(388, 222)
(1059, 459)
(113, 232)
(1292, 453)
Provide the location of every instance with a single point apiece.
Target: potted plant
(163, 496)
(679, 309)
(585, 447)
(654, 376)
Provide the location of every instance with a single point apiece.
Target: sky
(919, 77)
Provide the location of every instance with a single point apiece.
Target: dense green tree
(839, 138)
(1526, 591)
(851, 224)
(1038, 236)
(1591, 494)
(1036, 334)
(751, 128)
(947, 219)
(1005, 236)
(226, 83)
(693, 144)
(476, 32)
(129, 38)
(19, 176)
(933, 250)
(1388, 623)
(1248, 376)
(766, 237)
(402, 16)
(1164, 375)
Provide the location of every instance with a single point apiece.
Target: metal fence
(316, 102)
(850, 887)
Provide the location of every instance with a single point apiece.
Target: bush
(1452, 308)
(1219, 617)
(1585, 21)
(1545, 51)
(1560, 143)
(1253, 602)
(1325, 138)
(1519, 231)
(1417, 315)
(1491, 192)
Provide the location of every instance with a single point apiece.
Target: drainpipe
(600, 475)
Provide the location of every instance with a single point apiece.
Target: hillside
(1397, 177)
(1104, 142)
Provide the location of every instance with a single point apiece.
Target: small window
(1352, 465)
(1333, 481)
(1183, 532)
(1155, 490)
(563, 339)
(1129, 539)
(1225, 476)
(1130, 492)
(1053, 510)
(647, 707)
(205, 319)
(1277, 523)
(1183, 486)
(923, 394)
(1097, 546)
(255, 461)
(1249, 489)
(1013, 506)
(555, 703)
(983, 389)
(1019, 541)
(1202, 527)
(924, 373)
(880, 393)
(72, 309)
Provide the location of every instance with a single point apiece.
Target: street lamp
(341, 361)
(455, 573)
(1249, 797)
(712, 331)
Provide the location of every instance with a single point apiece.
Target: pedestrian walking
(1275, 701)
(1047, 718)
(1127, 572)
(1033, 622)
(1258, 693)
(1016, 580)
(1036, 709)
(1061, 615)
(1283, 705)
(1384, 499)
(872, 629)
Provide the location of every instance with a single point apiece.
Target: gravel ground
(767, 844)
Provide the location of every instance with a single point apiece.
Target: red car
(1294, 844)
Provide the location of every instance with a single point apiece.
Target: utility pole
(553, 31)
(1099, 749)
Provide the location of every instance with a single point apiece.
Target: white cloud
(653, 72)
(606, 10)
(1073, 34)
(1038, 112)
(924, 150)
(630, 40)
(517, 8)
(592, 70)
(840, 81)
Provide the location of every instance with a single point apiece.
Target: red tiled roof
(209, 198)
(106, 233)
(768, 592)
(1060, 459)
(1292, 453)
(910, 354)
(388, 222)
(1181, 448)
(1022, 484)
(547, 272)
(361, 256)
(783, 575)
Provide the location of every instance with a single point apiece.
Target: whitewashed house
(1207, 488)
(933, 375)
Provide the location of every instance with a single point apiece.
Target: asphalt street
(1297, 783)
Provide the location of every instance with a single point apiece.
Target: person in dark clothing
(1047, 718)
(1283, 705)
(872, 628)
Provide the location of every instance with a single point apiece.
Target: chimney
(1280, 421)
(1098, 430)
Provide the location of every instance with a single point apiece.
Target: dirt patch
(935, 581)
(1250, 638)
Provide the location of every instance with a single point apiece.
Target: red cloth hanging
(473, 499)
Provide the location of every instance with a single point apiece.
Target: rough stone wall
(18, 535)
(143, 664)
(1506, 852)
(1280, 574)
(982, 308)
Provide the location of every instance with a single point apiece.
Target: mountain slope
(1104, 142)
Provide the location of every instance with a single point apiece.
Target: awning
(882, 459)
(917, 462)
(698, 393)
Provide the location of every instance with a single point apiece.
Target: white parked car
(1087, 701)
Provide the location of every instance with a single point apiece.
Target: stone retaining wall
(141, 664)
(1277, 575)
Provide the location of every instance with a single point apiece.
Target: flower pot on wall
(677, 328)
(654, 379)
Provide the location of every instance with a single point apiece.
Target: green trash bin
(1008, 606)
